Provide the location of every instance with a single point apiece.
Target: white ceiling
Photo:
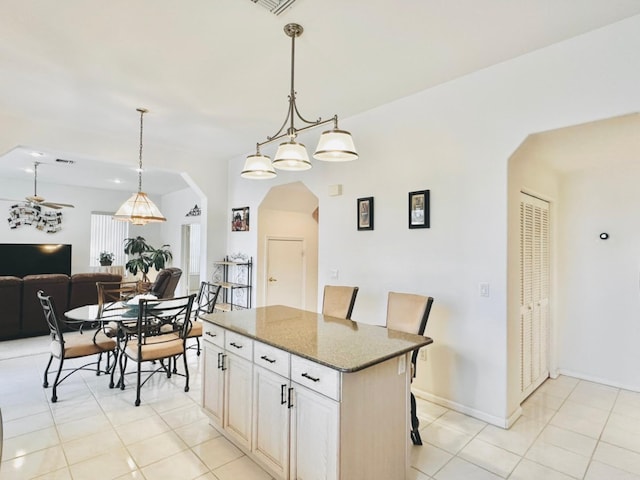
(214, 74)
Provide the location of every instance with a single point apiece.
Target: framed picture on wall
(419, 209)
(240, 219)
(365, 213)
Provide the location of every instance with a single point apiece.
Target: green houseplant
(143, 256)
(106, 258)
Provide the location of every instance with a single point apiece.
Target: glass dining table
(114, 319)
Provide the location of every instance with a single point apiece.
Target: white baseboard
(492, 419)
(602, 381)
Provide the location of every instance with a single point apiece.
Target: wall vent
(275, 6)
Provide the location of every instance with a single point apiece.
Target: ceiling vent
(66, 162)
(275, 6)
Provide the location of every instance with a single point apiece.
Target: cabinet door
(271, 420)
(237, 402)
(213, 384)
(314, 436)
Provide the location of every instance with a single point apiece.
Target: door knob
(271, 279)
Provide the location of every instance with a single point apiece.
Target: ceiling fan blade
(56, 205)
(10, 200)
(34, 199)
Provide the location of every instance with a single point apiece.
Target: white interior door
(534, 293)
(285, 276)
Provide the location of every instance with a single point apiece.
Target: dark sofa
(20, 311)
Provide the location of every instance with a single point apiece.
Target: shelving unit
(234, 276)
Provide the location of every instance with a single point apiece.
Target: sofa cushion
(11, 303)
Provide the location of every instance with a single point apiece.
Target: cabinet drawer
(239, 344)
(317, 377)
(213, 333)
(271, 358)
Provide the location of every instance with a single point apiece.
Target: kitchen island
(310, 396)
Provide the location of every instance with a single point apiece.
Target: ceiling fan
(36, 199)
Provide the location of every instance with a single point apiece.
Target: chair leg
(198, 343)
(415, 423)
(54, 394)
(123, 365)
(98, 364)
(186, 372)
(113, 367)
(138, 386)
(45, 383)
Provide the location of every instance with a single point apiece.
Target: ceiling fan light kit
(139, 209)
(335, 145)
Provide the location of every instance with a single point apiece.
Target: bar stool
(409, 313)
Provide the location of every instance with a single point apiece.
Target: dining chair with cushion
(160, 334)
(409, 313)
(338, 301)
(205, 303)
(72, 345)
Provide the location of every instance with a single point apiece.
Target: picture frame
(419, 204)
(240, 219)
(365, 213)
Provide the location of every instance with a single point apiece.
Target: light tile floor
(570, 429)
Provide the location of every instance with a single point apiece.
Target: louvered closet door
(534, 293)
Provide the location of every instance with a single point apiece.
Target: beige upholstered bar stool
(338, 301)
(409, 313)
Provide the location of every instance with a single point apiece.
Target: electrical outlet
(402, 364)
(423, 355)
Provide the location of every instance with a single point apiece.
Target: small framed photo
(365, 213)
(240, 219)
(419, 209)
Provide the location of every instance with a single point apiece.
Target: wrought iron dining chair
(160, 334)
(338, 301)
(205, 303)
(409, 313)
(70, 345)
(111, 295)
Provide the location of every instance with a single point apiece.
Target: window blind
(107, 235)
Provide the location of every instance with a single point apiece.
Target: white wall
(455, 140)
(598, 288)
(174, 207)
(202, 173)
(76, 222)
(76, 227)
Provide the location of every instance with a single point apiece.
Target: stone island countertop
(340, 344)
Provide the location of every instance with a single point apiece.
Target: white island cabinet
(310, 396)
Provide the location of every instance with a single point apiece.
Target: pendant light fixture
(139, 209)
(335, 145)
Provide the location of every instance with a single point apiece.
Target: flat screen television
(20, 259)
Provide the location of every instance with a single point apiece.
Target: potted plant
(143, 256)
(106, 258)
